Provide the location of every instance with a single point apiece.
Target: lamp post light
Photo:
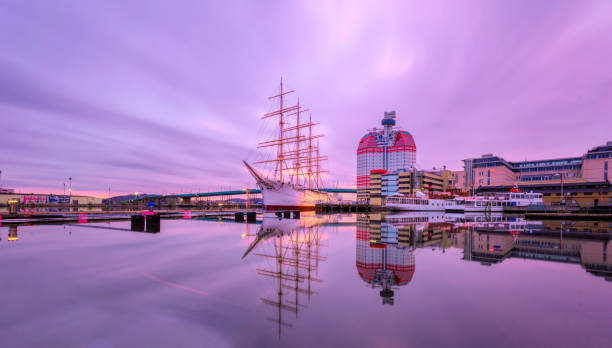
(136, 199)
(70, 190)
(561, 175)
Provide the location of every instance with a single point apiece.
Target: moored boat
(399, 202)
(294, 184)
(496, 202)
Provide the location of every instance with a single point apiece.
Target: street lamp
(70, 190)
(247, 198)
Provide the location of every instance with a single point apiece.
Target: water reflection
(64, 287)
(386, 244)
(12, 234)
(290, 249)
(580, 242)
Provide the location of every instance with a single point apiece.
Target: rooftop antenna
(388, 122)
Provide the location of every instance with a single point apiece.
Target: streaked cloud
(156, 96)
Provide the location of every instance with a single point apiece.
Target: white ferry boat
(496, 202)
(456, 205)
(415, 203)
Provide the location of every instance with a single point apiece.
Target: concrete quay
(567, 216)
(87, 217)
(345, 208)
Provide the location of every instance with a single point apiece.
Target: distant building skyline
(144, 97)
(492, 170)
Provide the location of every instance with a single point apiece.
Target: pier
(344, 208)
(106, 216)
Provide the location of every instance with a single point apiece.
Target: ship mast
(297, 130)
(280, 126)
(310, 151)
(297, 157)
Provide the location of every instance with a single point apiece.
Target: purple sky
(166, 96)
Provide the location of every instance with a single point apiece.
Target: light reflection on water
(418, 279)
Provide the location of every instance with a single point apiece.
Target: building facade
(46, 199)
(389, 149)
(583, 180)
(490, 170)
(384, 184)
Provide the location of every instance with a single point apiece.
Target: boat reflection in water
(386, 245)
(586, 243)
(291, 248)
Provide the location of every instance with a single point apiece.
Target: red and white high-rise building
(388, 149)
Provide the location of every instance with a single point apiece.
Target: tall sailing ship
(296, 177)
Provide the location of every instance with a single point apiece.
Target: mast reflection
(292, 248)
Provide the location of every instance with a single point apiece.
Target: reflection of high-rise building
(385, 265)
(385, 247)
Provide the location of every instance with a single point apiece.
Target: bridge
(186, 197)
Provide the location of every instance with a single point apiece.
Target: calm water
(405, 281)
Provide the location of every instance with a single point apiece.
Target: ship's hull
(432, 205)
(287, 197)
(484, 209)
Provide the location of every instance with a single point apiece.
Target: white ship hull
(473, 209)
(285, 196)
(416, 204)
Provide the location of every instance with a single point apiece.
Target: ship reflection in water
(292, 249)
(320, 280)
(387, 248)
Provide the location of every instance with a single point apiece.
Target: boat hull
(406, 207)
(287, 197)
(495, 209)
(432, 205)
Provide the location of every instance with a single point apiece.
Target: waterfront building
(389, 149)
(384, 184)
(586, 175)
(45, 199)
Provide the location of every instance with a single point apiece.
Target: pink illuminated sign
(82, 218)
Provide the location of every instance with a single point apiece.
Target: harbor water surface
(344, 281)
